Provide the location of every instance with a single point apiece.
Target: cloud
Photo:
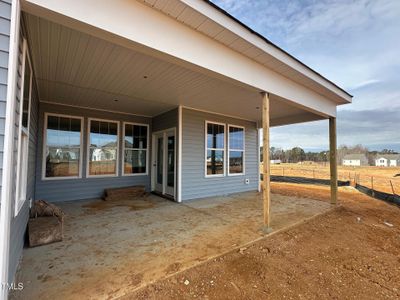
(365, 83)
(353, 43)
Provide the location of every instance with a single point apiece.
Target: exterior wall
(5, 16)
(84, 188)
(351, 162)
(18, 222)
(194, 182)
(166, 120)
(381, 162)
(393, 163)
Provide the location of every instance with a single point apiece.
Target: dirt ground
(380, 178)
(351, 252)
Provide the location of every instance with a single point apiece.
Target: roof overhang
(231, 68)
(211, 20)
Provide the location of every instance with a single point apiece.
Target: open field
(379, 178)
(349, 253)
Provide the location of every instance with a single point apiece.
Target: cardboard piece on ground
(44, 230)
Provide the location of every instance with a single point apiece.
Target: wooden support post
(332, 158)
(266, 161)
(372, 186)
(391, 184)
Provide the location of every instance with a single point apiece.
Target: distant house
(387, 160)
(275, 161)
(355, 160)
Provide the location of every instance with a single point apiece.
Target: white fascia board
(137, 26)
(225, 21)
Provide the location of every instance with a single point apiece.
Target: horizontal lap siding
(194, 183)
(84, 188)
(5, 16)
(18, 223)
(166, 120)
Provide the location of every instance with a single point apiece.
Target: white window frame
(46, 115)
(22, 171)
(219, 149)
(147, 149)
(116, 174)
(238, 150)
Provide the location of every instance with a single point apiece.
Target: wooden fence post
(392, 188)
(372, 186)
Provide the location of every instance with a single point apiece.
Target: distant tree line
(298, 154)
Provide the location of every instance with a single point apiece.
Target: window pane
(63, 141)
(103, 134)
(62, 162)
(235, 162)
(128, 140)
(215, 162)
(61, 134)
(26, 95)
(102, 161)
(135, 136)
(160, 155)
(171, 161)
(215, 136)
(135, 161)
(236, 138)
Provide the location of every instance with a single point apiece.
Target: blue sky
(354, 43)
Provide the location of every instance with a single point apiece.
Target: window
(23, 132)
(236, 150)
(63, 152)
(103, 148)
(135, 149)
(215, 149)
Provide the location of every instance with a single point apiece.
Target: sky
(354, 43)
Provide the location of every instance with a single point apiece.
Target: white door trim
(164, 134)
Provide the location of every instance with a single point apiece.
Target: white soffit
(76, 69)
(215, 23)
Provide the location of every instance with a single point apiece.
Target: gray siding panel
(19, 222)
(84, 188)
(194, 182)
(166, 120)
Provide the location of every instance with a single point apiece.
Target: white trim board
(180, 142)
(8, 154)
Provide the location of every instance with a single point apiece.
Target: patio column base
(266, 229)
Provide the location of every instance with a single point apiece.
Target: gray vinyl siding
(166, 120)
(194, 182)
(19, 222)
(5, 16)
(84, 188)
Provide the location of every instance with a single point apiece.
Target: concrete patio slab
(111, 249)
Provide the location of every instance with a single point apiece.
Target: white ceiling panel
(74, 68)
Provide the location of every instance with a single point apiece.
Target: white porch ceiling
(74, 68)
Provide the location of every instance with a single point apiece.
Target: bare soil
(351, 252)
(382, 179)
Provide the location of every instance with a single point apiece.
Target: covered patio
(112, 249)
(166, 95)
